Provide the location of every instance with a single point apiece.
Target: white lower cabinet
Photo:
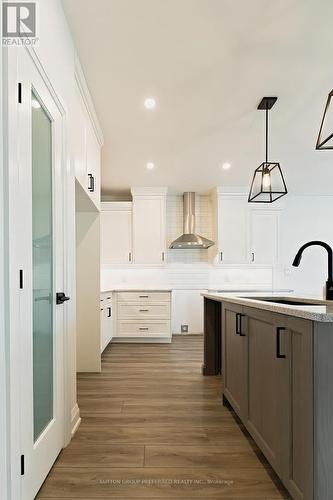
(142, 316)
(106, 319)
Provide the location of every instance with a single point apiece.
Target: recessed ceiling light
(150, 165)
(150, 103)
(226, 166)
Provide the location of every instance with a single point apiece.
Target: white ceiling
(207, 63)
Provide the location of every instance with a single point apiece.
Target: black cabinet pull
(278, 335)
(91, 186)
(109, 312)
(237, 323)
(240, 326)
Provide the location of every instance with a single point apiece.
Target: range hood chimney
(190, 239)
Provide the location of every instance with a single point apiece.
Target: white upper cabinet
(93, 165)
(233, 230)
(264, 231)
(88, 139)
(116, 233)
(80, 141)
(230, 229)
(244, 233)
(149, 213)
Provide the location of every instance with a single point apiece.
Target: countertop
(323, 312)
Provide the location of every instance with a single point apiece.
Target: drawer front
(144, 297)
(142, 311)
(134, 328)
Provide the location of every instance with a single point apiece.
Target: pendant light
(268, 183)
(326, 123)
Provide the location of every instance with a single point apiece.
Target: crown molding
(149, 191)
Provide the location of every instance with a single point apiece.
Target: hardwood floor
(154, 428)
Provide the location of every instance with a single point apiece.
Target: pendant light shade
(325, 136)
(268, 184)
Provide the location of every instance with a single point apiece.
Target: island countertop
(322, 311)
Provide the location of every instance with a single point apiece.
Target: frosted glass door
(42, 266)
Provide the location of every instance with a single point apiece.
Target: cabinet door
(234, 352)
(269, 388)
(264, 237)
(116, 237)
(102, 314)
(93, 165)
(106, 326)
(232, 223)
(149, 230)
(79, 144)
(301, 471)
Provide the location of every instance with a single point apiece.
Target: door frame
(12, 264)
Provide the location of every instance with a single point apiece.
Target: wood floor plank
(154, 428)
(229, 455)
(101, 455)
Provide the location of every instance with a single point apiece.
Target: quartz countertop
(323, 312)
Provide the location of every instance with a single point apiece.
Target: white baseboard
(75, 419)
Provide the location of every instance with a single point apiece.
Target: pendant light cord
(267, 134)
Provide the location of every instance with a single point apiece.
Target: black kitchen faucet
(329, 282)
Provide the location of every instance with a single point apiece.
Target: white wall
(88, 347)
(304, 218)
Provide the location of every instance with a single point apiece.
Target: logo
(19, 23)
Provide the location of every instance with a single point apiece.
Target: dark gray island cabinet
(278, 377)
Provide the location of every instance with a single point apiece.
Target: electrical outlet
(184, 328)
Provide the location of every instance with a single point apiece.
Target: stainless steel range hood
(190, 239)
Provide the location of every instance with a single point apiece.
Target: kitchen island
(277, 364)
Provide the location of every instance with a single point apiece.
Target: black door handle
(278, 350)
(61, 298)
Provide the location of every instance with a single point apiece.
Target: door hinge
(21, 279)
(22, 465)
(19, 92)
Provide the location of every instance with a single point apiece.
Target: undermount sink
(289, 302)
